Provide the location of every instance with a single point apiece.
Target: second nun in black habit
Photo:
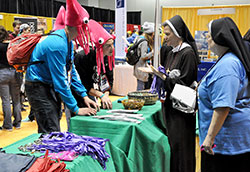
(183, 59)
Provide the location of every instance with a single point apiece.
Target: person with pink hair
(52, 73)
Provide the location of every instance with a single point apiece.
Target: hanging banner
(120, 28)
(157, 35)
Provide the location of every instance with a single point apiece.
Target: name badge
(104, 84)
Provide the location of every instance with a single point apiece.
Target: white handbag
(183, 98)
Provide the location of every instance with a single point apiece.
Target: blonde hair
(150, 40)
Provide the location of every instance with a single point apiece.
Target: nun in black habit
(181, 65)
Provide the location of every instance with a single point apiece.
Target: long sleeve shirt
(57, 56)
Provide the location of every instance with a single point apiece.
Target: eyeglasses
(208, 35)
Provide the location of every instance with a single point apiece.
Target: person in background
(181, 63)
(16, 27)
(9, 87)
(40, 31)
(49, 82)
(93, 74)
(24, 29)
(131, 38)
(145, 52)
(224, 102)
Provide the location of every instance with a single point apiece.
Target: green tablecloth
(136, 147)
(81, 163)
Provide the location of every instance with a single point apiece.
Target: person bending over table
(49, 81)
(96, 68)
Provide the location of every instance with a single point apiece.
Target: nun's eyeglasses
(208, 35)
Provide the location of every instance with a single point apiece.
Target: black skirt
(180, 129)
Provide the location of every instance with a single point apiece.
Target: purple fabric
(157, 85)
(82, 145)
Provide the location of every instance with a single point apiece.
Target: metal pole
(156, 39)
(17, 7)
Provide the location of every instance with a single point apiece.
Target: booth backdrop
(199, 22)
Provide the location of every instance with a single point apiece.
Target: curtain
(45, 7)
(199, 22)
(134, 18)
(8, 6)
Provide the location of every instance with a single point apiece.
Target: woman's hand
(86, 111)
(106, 102)
(159, 74)
(207, 145)
(218, 118)
(90, 103)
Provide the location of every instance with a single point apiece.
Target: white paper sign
(120, 28)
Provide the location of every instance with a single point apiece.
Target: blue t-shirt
(53, 51)
(226, 85)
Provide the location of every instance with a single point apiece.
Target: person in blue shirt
(49, 80)
(224, 102)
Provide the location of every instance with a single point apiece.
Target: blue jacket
(53, 51)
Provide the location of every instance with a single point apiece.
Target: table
(137, 147)
(77, 165)
(124, 80)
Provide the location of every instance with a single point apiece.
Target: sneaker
(7, 129)
(26, 119)
(18, 128)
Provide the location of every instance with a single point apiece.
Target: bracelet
(102, 96)
(77, 111)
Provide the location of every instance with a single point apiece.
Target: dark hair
(140, 32)
(16, 22)
(3, 34)
(247, 36)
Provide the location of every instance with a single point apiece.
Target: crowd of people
(79, 69)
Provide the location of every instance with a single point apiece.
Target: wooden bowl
(149, 98)
(133, 104)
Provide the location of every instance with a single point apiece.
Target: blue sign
(108, 27)
(120, 3)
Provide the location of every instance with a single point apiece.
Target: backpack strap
(37, 62)
(137, 43)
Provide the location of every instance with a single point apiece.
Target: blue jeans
(140, 85)
(46, 104)
(10, 87)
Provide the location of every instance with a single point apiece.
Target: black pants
(224, 163)
(46, 104)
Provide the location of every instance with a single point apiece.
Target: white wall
(107, 4)
(93, 3)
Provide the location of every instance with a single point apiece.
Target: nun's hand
(159, 74)
(208, 145)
